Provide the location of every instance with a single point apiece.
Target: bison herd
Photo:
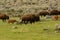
(31, 18)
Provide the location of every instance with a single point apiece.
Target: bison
(4, 17)
(55, 17)
(44, 13)
(11, 21)
(29, 18)
(54, 12)
(36, 17)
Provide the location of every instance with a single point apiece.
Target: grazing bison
(36, 17)
(54, 12)
(4, 17)
(44, 13)
(29, 18)
(11, 21)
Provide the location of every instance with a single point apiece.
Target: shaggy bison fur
(44, 13)
(4, 17)
(29, 18)
(54, 12)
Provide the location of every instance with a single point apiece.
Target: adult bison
(54, 12)
(29, 18)
(43, 13)
(36, 17)
(4, 17)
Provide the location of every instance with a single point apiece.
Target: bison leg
(31, 22)
(25, 22)
(3, 20)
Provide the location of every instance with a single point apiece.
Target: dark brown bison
(44, 13)
(54, 12)
(29, 18)
(11, 21)
(36, 17)
(58, 12)
(4, 17)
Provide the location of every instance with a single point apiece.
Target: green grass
(29, 31)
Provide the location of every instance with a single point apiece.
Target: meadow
(29, 31)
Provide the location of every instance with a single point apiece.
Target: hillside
(33, 6)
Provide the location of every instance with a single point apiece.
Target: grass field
(29, 31)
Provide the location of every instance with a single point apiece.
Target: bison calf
(55, 17)
(12, 21)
